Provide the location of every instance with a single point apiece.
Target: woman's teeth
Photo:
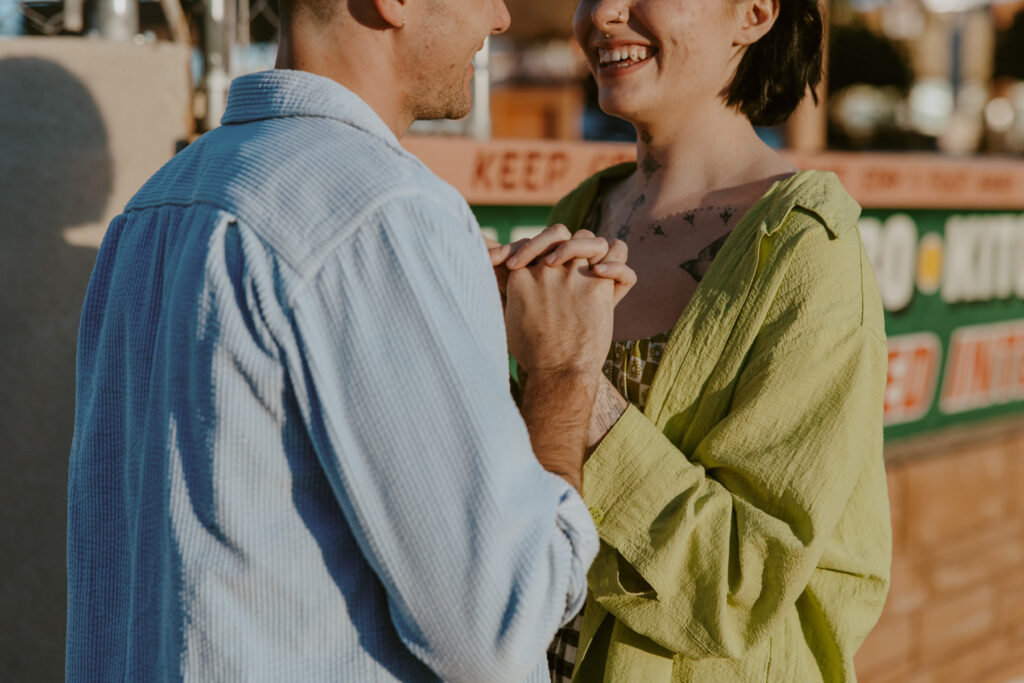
(622, 56)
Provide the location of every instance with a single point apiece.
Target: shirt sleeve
(703, 552)
(483, 553)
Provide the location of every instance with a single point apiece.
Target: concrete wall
(955, 612)
(83, 123)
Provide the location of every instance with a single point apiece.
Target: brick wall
(956, 607)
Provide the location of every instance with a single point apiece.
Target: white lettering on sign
(984, 258)
(985, 367)
(911, 377)
(892, 250)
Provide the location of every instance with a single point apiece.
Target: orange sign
(515, 172)
(539, 172)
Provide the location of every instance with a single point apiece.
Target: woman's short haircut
(777, 71)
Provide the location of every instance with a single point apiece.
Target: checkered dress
(630, 366)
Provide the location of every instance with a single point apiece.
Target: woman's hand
(557, 246)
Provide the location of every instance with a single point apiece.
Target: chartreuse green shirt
(743, 515)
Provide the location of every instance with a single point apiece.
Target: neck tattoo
(624, 228)
(649, 166)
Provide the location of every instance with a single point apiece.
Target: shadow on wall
(55, 176)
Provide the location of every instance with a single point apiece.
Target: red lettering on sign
(512, 170)
(532, 170)
(482, 169)
(911, 376)
(558, 167)
(985, 368)
(881, 179)
(948, 181)
(996, 182)
(508, 170)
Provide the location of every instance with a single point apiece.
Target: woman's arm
(705, 551)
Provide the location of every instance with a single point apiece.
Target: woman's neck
(688, 160)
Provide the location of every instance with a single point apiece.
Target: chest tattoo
(624, 228)
(698, 267)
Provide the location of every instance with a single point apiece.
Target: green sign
(952, 285)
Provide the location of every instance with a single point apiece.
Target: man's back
(286, 460)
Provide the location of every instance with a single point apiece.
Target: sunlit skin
(441, 83)
(407, 60)
(700, 162)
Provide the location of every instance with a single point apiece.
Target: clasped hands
(559, 291)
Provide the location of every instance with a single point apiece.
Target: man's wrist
(556, 408)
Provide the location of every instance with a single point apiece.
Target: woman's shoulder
(809, 199)
(812, 221)
(571, 209)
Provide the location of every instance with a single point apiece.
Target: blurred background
(921, 116)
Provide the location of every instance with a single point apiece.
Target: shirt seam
(308, 272)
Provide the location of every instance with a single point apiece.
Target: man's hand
(559, 318)
(559, 325)
(557, 246)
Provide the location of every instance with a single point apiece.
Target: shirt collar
(282, 93)
(818, 192)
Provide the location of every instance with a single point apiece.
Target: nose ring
(619, 15)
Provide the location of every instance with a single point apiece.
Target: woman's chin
(620, 107)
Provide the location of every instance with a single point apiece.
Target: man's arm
(556, 408)
(559, 323)
(557, 405)
(403, 380)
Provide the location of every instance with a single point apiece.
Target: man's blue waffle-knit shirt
(296, 456)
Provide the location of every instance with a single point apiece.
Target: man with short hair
(296, 456)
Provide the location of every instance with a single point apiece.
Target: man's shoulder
(297, 182)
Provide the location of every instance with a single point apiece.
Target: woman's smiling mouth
(623, 56)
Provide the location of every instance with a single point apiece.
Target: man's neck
(360, 66)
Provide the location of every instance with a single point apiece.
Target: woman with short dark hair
(736, 477)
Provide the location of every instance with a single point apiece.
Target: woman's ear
(756, 18)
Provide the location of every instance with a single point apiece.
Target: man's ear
(756, 18)
(392, 11)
